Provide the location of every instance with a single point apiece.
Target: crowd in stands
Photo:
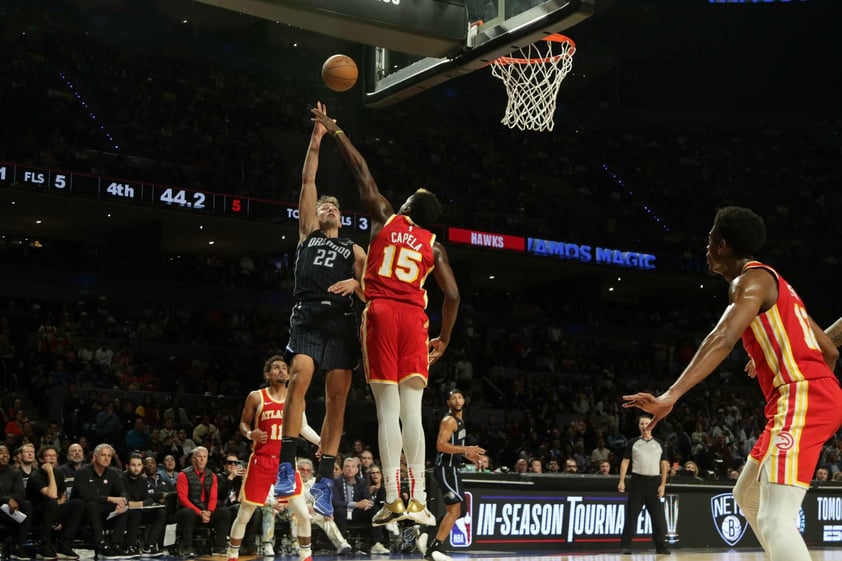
(203, 122)
(543, 376)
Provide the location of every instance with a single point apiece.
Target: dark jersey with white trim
(457, 438)
(321, 261)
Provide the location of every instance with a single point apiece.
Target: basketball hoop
(532, 76)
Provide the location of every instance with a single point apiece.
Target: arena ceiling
(693, 56)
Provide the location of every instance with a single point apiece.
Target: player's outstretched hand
(319, 129)
(320, 117)
(657, 406)
(750, 369)
(437, 347)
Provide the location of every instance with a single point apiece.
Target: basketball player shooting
(396, 350)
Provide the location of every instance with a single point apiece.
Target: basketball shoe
(285, 482)
(391, 512)
(322, 492)
(418, 513)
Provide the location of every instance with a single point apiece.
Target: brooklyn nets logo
(730, 523)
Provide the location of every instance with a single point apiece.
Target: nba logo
(461, 535)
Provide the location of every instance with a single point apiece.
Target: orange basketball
(339, 73)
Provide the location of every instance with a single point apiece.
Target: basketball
(339, 73)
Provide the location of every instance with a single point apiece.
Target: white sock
(747, 494)
(412, 393)
(387, 400)
(779, 505)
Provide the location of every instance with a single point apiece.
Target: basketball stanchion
(532, 76)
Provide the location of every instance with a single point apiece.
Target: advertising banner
(569, 513)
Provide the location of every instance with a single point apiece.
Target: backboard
(417, 44)
(496, 28)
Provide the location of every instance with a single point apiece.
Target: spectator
(108, 424)
(12, 494)
(26, 461)
(52, 508)
(822, 475)
(75, 458)
(100, 487)
(691, 471)
(168, 471)
(160, 491)
(187, 444)
(15, 426)
(178, 414)
(205, 433)
(366, 461)
(138, 437)
(143, 510)
(104, 355)
(197, 489)
(327, 524)
(168, 430)
(352, 503)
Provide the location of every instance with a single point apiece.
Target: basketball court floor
(639, 555)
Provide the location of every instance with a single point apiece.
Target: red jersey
(399, 259)
(270, 417)
(781, 342)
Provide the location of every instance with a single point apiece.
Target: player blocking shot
(397, 351)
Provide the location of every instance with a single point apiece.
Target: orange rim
(552, 38)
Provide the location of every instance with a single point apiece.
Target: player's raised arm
(375, 203)
(308, 222)
(446, 280)
(749, 293)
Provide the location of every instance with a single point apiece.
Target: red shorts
(395, 342)
(260, 479)
(802, 419)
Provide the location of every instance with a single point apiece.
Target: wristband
(248, 435)
(337, 133)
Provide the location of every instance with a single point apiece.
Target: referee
(450, 446)
(649, 470)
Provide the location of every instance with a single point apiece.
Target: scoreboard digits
(190, 200)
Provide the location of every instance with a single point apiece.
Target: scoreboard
(152, 194)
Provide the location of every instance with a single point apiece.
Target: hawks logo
(784, 441)
(729, 520)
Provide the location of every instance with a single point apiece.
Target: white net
(532, 76)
